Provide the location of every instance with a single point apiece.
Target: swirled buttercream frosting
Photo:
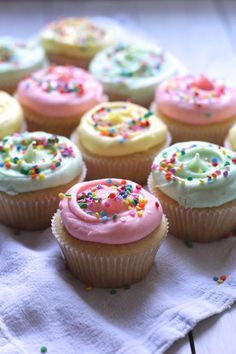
(110, 211)
(196, 100)
(196, 174)
(36, 161)
(120, 128)
(60, 91)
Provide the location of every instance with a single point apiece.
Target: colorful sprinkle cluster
(194, 90)
(17, 152)
(128, 61)
(127, 197)
(220, 279)
(58, 79)
(122, 121)
(201, 168)
(78, 31)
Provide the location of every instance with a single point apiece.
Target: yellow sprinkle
(7, 159)
(96, 201)
(19, 162)
(126, 202)
(42, 177)
(220, 281)
(61, 195)
(201, 181)
(223, 152)
(88, 288)
(140, 214)
(138, 208)
(7, 149)
(97, 215)
(130, 207)
(40, 147)
(178, 153)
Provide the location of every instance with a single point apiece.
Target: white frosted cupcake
(34, 168)
(17, 60)
(196, 184)
(133, 71)
(11, 115)
(120, 139)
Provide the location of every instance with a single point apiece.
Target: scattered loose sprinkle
(220, 279)
(188, 243)
(113, 291)
(44, 349)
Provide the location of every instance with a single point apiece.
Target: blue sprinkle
(215, 278)
(1, 164)
(109, 180)
(103, 213)
(121, 140)
(104, 218)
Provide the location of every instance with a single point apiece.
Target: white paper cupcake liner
(197, 224)
(108, 265)
(134, 167)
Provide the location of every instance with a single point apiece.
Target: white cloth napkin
(42, 304)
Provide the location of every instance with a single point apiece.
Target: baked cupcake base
(103, 265)
(134, 167)
(214, 133)
(33, 210)
(60, 126)
(196, 224)
(61, 59)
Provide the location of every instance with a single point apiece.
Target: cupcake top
(81, 37)
(196, 100)
(120, 128)
(18, 59)
(60, 91)
(110, 211)
(196, 174)
(132, 65)
(11, 115)
(36, 161)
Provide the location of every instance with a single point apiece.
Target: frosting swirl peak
(35, 161)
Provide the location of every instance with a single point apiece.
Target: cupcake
(75, 41)
(11, 115)
(109, 231)
(196, 184)
(34, 168)
(54, 99)
(230, 140)
(17, 60)
(132, 71)
(120, 139)
(196, 108)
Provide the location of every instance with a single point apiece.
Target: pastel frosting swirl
(120, 128)
(60, 91)
(79, 36)
(11, 115)
(133, 70)
(18, 59)
(36, 161)
(196, 174)
(196, 100)
(110, 211)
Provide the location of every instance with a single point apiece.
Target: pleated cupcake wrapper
(61, 59)
(197, 224)
(32, 213)
(134, 167)
(103, 270)
(213, 133)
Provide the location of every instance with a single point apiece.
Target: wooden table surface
(202, 34)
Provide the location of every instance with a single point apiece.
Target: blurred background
(200, 33)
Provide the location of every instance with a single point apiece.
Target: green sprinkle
(188, 243)
(24, 170)
(114, 216)
(44, 349)
(207, 114)
(189, 178)
(83, 205)
(148, 114)
(113, 291)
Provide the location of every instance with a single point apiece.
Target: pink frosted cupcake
(109, 231)
(55, 98)
(196, 108)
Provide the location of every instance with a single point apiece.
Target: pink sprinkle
(132, 213)
(107, 204)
